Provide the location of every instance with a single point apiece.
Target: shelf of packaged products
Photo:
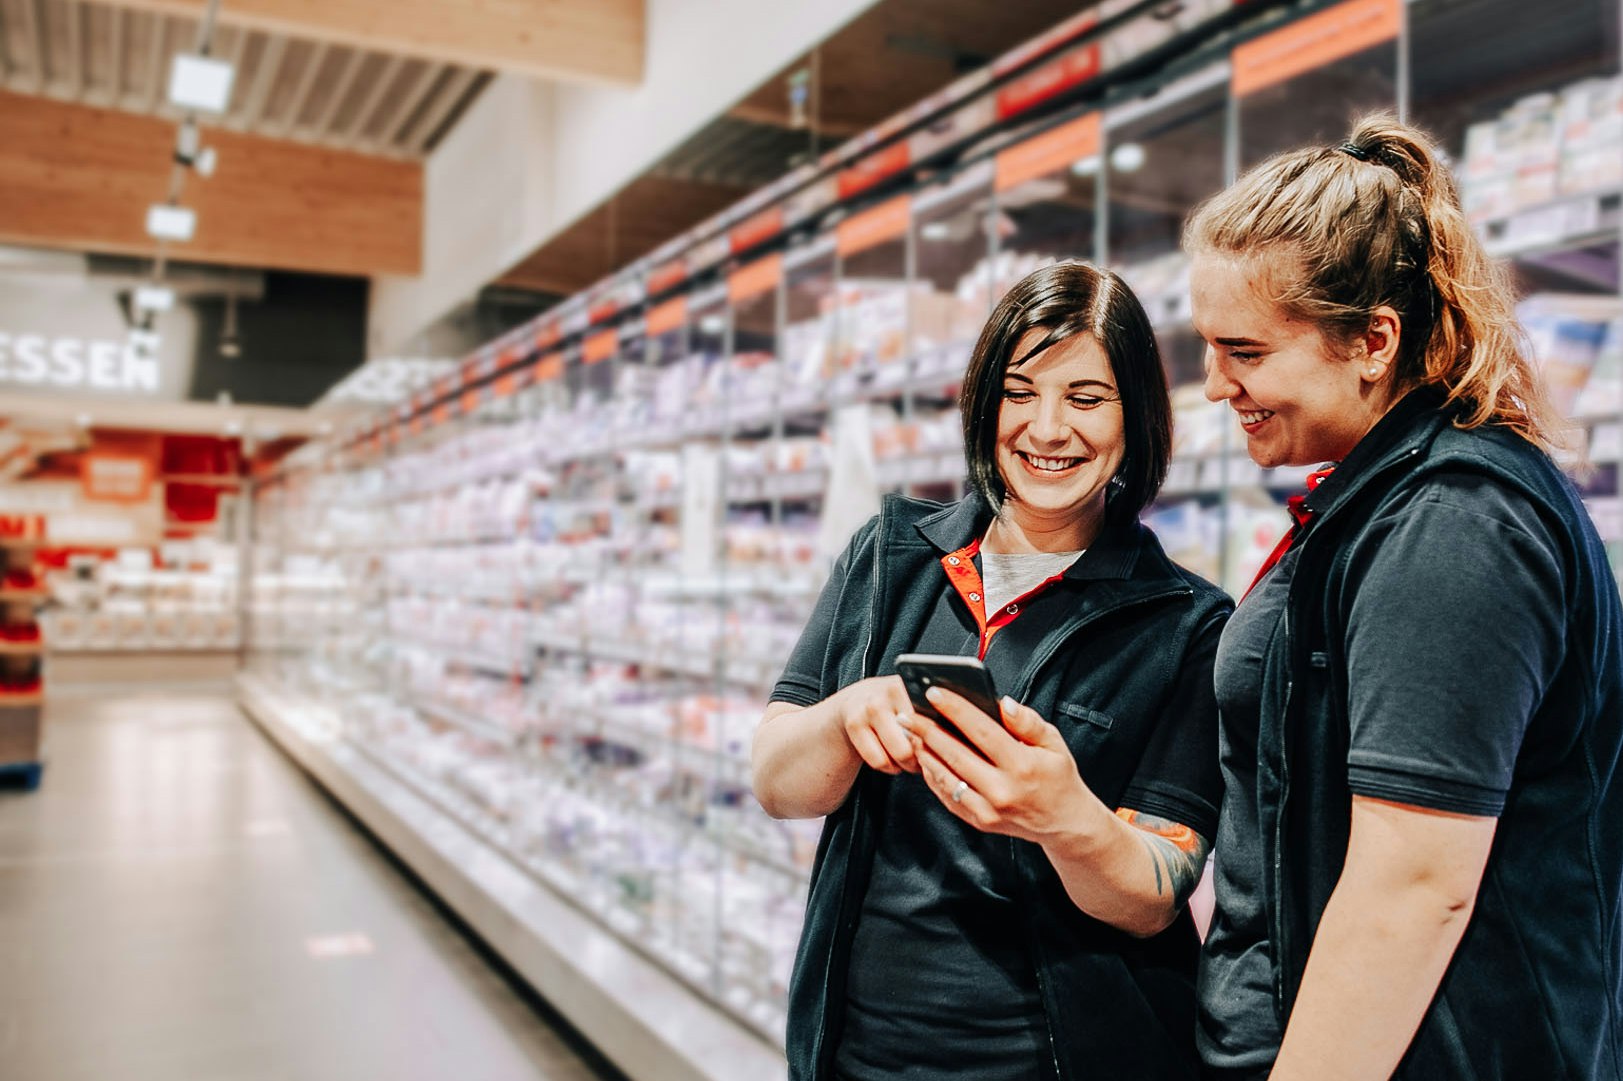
(745, 673)
(518, 667)
(1208, 474)
(586, 893)
(943, 467)
(708, 763)
(650, 1022)
(450, 481)
(1564, 223)
(460, 718)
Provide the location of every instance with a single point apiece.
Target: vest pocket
(1090, 716)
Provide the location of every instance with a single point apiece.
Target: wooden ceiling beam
(81, 178)
(595, 41)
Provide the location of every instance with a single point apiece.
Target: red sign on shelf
(1313, 42)
(115, 478)
(665, 277)
(887, 221)
(874, 168)
(599, 347)
(668, 316)
(762, 227)
(1049, 152)
(549, 367)
(759, 277)
(1050, 80)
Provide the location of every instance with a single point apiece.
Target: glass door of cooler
(1048, 200)
(1164, 155)
(953, 225)
(809, 334)
(1307, 81)
(875, 427)
(1528, 104)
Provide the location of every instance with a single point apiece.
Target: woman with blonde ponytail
(1420, 854)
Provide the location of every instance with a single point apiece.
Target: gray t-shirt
(1010, 576)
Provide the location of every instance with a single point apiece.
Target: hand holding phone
(963, 676)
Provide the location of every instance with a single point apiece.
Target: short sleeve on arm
(801, 683)
(1454, 633)
(1179, 777)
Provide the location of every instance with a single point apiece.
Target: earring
(1373, 372)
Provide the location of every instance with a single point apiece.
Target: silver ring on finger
(958, 791)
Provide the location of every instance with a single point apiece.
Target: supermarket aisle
(178, 902)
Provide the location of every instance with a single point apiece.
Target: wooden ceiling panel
(81, 178)
(644, 215)
(286, 87)
(596, 41)
(896, 54)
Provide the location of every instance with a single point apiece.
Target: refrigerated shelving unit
(524, 623)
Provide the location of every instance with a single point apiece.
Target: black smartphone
(963, 676)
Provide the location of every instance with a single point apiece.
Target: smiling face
(1299, 400)
(1060, 438)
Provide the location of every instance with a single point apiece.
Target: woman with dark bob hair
(1420, 864)
(1015, 910)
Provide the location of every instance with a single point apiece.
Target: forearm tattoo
(1177, 853)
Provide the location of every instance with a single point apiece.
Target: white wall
(527, 160)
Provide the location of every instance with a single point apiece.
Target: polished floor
(179, 903)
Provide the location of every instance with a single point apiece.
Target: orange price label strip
(1050, 152)
(471, 400)
(599, 347)
(666, 317)
(549, 367)
(1313, 42)
(761, 276)
(872, 169)
(887, 221)
(758, 229)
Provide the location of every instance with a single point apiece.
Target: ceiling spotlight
(190, 151)
(935, 230)
(230, 344)
(154, 298)
(1127, 158)
(145, 343)
(166, 222)
(200, 83)
(1088, 166)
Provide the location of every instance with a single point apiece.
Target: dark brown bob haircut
(1064, 300)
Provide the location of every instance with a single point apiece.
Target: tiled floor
(178, 903)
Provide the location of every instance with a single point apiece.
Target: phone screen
(964, 676)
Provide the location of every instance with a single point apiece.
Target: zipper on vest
(1037, 967)
(868, 666)
(1282, 951)
(1024, 689)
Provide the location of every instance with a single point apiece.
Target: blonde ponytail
(1377, 221)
